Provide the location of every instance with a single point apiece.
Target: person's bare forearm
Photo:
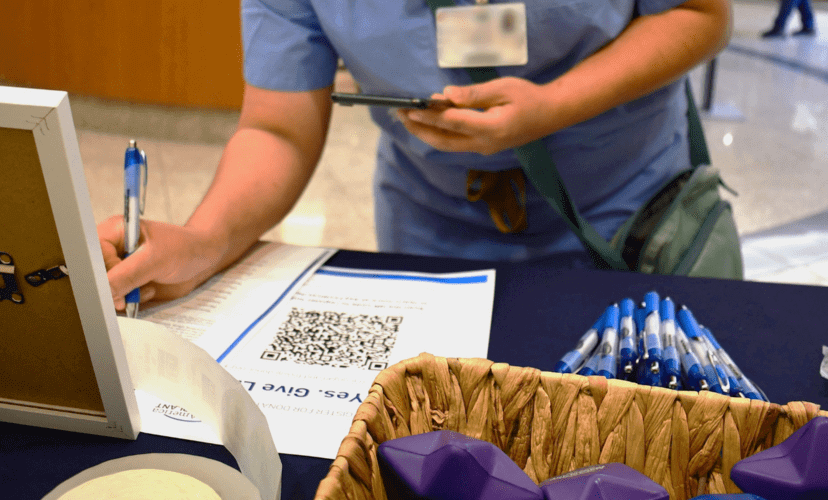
(263, 171)
(651, 52)
(257, 182)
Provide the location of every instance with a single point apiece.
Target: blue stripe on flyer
(269, 309)
(462, 280)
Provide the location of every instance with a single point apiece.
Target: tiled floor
(767, 130)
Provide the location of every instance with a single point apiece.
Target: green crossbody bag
(685, 229)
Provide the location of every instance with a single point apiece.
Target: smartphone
(394, 102)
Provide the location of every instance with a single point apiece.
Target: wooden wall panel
(177, 52)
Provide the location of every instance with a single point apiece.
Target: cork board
(44, 331)
(63, 363)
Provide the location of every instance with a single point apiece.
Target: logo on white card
(175, 412)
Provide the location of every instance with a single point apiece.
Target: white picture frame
(47, 116)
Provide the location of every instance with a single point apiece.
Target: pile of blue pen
(657, 346)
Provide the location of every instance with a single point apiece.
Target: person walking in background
(785, 9)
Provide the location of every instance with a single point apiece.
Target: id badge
(482, 35)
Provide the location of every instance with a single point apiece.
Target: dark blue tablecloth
(773, 332)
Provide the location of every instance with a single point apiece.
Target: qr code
(335, 339)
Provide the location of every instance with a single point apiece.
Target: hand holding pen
(135, 164)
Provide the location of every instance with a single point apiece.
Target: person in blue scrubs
(603, 89)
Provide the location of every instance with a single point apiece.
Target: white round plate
(229, 483)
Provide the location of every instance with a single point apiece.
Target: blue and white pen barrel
(574, 359)
(652, 332)
(731, 371)
(671, 363)
(591, 366)
(133, 163)
(707, 366)
(718, 365)
(628, 341)
(750, 390)
(643, 374)
(695, 338)
(690, 364)
(608, 349)
(740, 385)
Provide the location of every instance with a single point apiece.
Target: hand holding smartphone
(393, 102)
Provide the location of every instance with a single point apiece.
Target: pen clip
(144, 174)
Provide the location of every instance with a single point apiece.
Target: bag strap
(699, 155)
(540, 169)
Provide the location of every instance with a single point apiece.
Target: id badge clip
(472, 36)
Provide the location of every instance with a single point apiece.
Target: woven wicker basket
(550, 424)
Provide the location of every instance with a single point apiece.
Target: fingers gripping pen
(695, 340)
(608, 349)
(690, 364)
(671, 364)
(628, 338)
(574, 359)
(652, 332)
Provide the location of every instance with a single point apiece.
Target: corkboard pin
(41, 276)
(9, 291)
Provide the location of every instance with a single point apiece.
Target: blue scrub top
(611, 164)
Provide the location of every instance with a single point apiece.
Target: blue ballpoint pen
(716, 362)
(628, 338)
(671, 363)
(690, 365)
(608, 349)
(135, 161)
(730, 385)
(643, 374)
(591, 366)
(695, 338)
(652, 332)
(739, 384)
(751, 391)
(574, 359)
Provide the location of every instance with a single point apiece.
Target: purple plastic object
(612, 481)
(795, 469)
(446, 465)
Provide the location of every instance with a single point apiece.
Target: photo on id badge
(482, 35)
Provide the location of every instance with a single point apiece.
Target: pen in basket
(657, 344)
